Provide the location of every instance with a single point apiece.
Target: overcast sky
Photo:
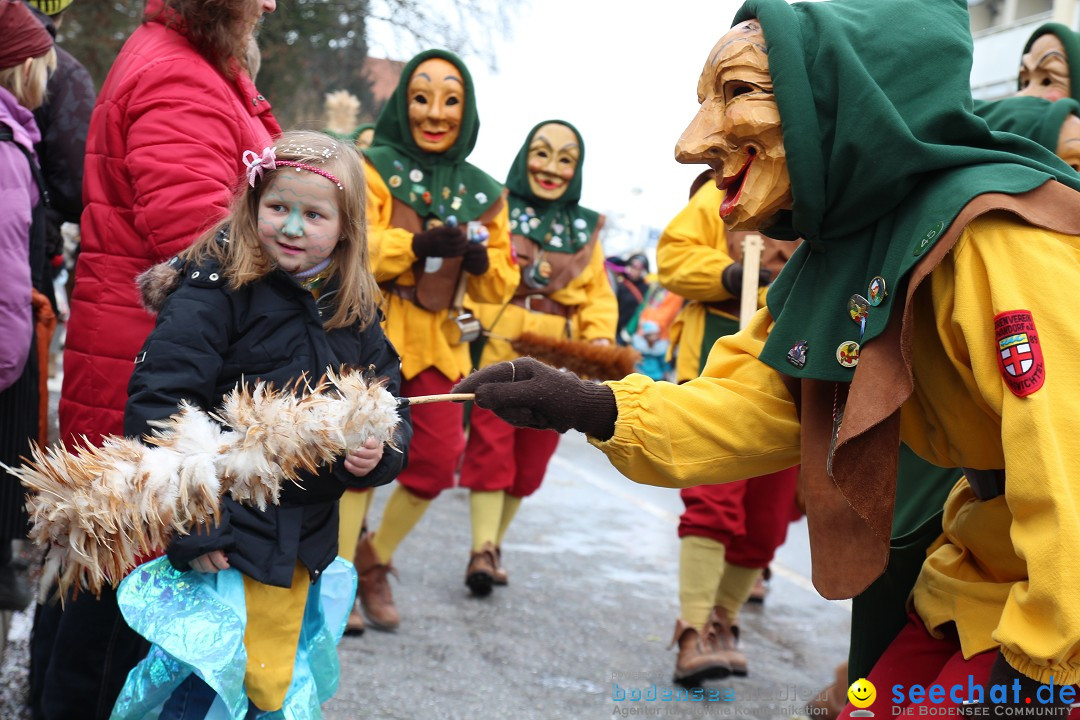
(625, 73)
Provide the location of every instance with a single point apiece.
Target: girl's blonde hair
(29, 91)
(243, 259)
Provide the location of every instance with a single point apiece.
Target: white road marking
(794, 577)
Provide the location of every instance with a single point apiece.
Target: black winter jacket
(208, 338)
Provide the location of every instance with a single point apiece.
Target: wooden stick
(425, 399)
(751, 262)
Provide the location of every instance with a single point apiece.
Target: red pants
(749, 517)
(500, 456)
(916, 657)
(438, 438)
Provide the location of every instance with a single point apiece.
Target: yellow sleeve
(735, 421)
(692, 252)
(600, 312)
(1003, 266)
(390, 247)
(500, 281)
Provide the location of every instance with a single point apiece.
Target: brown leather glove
(441, 241)
(475, 261)
(528, 393)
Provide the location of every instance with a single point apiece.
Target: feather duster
(342, 109)
(595, 362)
(100, 508)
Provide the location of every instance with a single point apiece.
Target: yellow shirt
(1005, 571)
(595, 314)
(415, 332)
(690, 257)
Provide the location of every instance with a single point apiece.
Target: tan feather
(97, 509)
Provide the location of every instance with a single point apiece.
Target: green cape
(555, 225)
(883, 151)
(1031, 117)
(432, 184)
(1071, 41)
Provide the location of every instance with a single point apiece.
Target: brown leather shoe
(374, 587)
(500, 576)
(830, 702)
(723, 639)
(355, 624)
(696, 661)
(759, 591)
(480, 575)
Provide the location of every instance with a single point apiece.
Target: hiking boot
(374, 587)
(696, 661)
(830, 702)
(759, 591)
(355, 624)
(500, 576)
(723, 639)
(15, 593)
(480, 575)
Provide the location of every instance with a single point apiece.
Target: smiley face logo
(862, 693)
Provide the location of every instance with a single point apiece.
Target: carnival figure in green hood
(564, 304)
(437, 229)
(1050, 65)
(1054, 125)
(916, 309)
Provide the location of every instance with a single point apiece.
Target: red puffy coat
(162, 159)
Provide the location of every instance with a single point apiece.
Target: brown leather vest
(564, 266)
(849, 513)
(435, 290)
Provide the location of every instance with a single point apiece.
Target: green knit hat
(1035, 118)
(1071, 41)
(883, 151)
(50, 7)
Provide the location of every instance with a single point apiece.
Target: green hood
(432, 184)
(883, 151)
(555, 225)
(1071, 41)
(1031, 117)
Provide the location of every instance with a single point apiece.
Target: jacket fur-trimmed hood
(157, 283)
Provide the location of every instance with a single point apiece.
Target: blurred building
(383, 74)
(1000, 29)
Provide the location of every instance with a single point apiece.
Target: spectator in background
(64, 120)
(653, 349)
(630, 288)
(26, 56)
(173, 120)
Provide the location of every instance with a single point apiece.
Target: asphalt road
(583, 626)
(589, 612)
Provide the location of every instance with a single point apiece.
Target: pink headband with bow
(256, 164)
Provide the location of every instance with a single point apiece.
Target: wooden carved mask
(736, 131)
(436, 105)
(553, 159)
(1044, 70)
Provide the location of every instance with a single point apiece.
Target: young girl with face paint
(279, 291)
(564, 294)
(422, 197)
